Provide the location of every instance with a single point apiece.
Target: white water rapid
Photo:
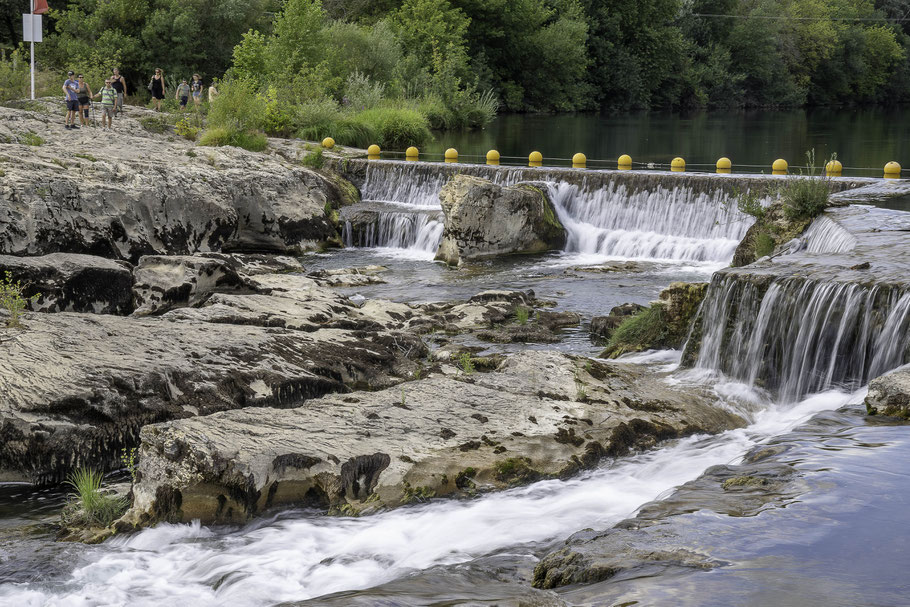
(605, 219)
(299, 555)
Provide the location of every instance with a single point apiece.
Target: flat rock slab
(542, 414)
(68, 282)
(76, 388)
(164, 282)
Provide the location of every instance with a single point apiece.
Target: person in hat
(71, 92)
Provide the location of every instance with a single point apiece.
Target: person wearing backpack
(157, 88)
(108, 104)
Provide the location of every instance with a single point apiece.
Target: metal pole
(31, 8)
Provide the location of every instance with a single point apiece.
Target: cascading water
(827, 236)
(605, 214)
(397, 230)
(796, 336)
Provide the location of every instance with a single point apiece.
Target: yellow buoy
(535, 159)
(328, 143)
(724, 165)
(493, 157)
(451, 155)
(833, 168)
(779, 167)
(678, 165)
(624, 163)
(373, 152)
(411, 153)
(892, 170)
(579, 160)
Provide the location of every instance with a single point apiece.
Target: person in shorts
(71, 92)
(183, 94)
(108, 104)
(84, 96)
(118, 83)
(196, 89)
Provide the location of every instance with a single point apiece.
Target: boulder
(890, 394)
(542, 414)
(483, 219)
(664, 325)
(139, 194)
(603, 326)
(68, 282)
(166, 282)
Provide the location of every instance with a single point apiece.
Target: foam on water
(299, 555)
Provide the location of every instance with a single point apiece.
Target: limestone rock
(166, 282)
(890, 394)
(69, 282)
(138, 194)
(448, 434)
(77, 388)
(487, 220)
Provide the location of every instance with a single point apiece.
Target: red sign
(40, 7)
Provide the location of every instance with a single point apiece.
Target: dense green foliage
(457, 61)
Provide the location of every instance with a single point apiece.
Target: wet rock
(166, 282)
(773, 233)
(350, 277)
(448, 434)
(140, 194)
(488, 220)
(603, 326)
(69, 282)
(664, 325)
(890, 394)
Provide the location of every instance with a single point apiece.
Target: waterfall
(795, 336)
(826, 235)
(609, 214)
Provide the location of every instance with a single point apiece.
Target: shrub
(219, 136)
(647, 329)
(31, 139)
(764, 245)
(314, 160)
(361, 93)
(238, 107)
(466, 363)
(186, 130)
(397, 127)
(88, 506)
(521, 315)
(806, 196)
(12, 300)
(15, 81)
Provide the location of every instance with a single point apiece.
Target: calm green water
(866, 138)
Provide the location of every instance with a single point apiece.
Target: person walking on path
(118, 83)
(158, 88)
(108, 103)
(84, 93)
(213, 92)
(183, 94)
(196, 87)
(71, 90)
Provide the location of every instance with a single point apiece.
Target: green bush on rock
(88, 506)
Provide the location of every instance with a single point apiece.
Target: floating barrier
(624, 163)
(579, 161)
(328, 143)
(535, 159)
(373, 152)
(412, 154)
(493, 158)
(780, 167)
(892, 170)
(724, 165)
(451, 155)
(834, 168)
(678, 165)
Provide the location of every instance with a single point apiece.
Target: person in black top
(118, 83)
(157, 88)
(196, 88)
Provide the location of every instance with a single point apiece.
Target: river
(753, 139)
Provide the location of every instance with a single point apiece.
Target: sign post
(32, 31)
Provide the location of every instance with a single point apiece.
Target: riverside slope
(132, 192)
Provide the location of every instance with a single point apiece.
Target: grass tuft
(88, 506)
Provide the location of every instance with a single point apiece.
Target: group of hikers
(79, 96)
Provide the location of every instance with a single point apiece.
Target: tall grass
(88, 506)
(806, 196)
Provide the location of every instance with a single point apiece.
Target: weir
(833, 315)
(623, 214)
